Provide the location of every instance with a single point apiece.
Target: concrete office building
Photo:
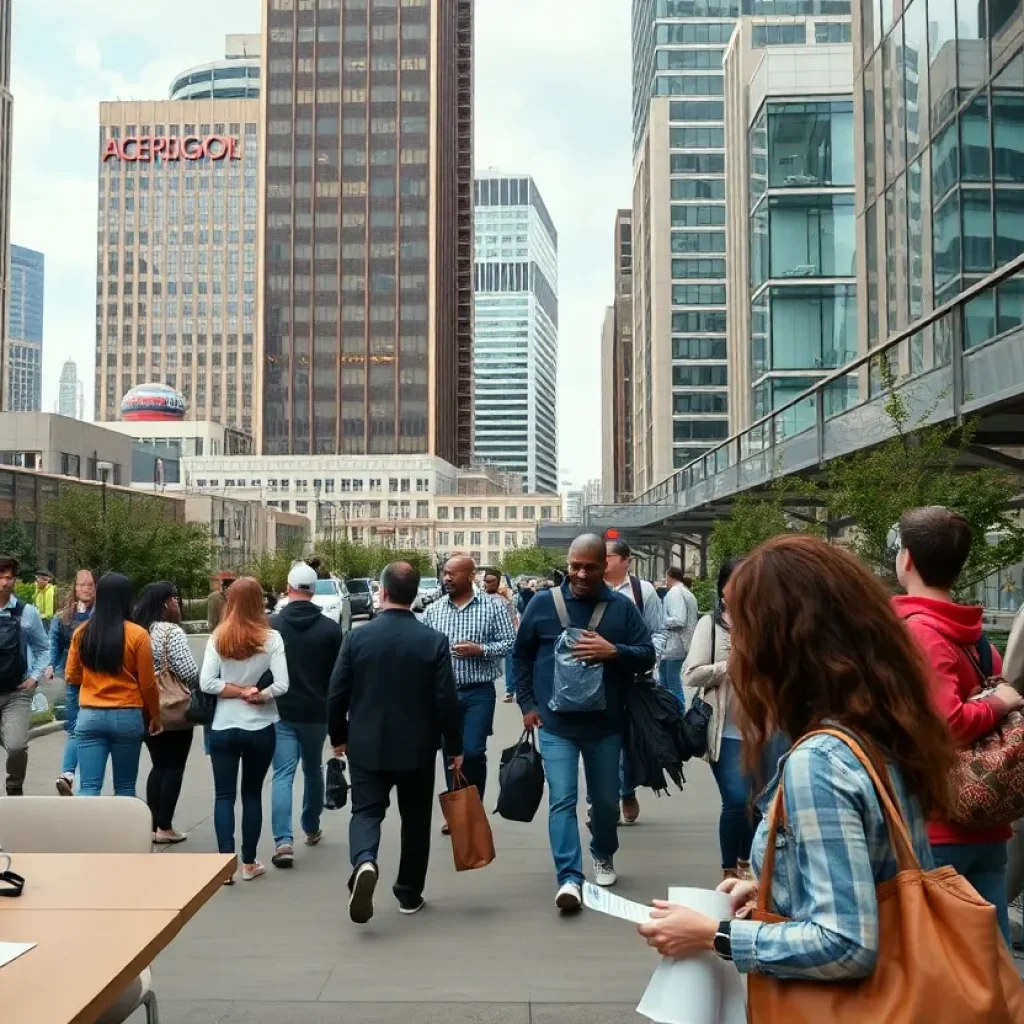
(939, 93)
(792, 315)
(6, 104)
(71, 397)
(679, 340)
(176, 288)
(24, 376)
(617, 372)
(367, 230)
(515, 353)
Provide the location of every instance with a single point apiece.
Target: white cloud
(552, 100)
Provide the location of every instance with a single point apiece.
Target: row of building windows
(458, 512)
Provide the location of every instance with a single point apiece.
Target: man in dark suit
(391, 702)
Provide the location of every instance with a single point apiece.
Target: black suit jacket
(392, 695)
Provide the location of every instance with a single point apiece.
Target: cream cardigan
(705, 670)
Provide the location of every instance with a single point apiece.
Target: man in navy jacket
(623, 644)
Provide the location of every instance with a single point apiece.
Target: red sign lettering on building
(146, 148)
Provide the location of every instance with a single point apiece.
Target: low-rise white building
(407, 501)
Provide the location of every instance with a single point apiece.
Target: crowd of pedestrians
(835, 713)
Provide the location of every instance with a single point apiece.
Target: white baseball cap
(302, 577)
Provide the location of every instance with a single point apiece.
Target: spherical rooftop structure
(152, 402)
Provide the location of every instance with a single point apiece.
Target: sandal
(171, 840)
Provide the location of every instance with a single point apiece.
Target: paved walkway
(490, 948)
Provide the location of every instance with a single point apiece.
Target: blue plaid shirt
(829, 857)
(482, 621)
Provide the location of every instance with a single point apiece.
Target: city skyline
(578, 145)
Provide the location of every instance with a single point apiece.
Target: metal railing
(936, 340)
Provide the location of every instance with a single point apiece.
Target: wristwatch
(723, 940)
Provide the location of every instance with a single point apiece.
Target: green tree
(271, 570)
(133, 537)
(918, 466)
(531, 561)
(16, 540)
(753, 520)
(356, 561)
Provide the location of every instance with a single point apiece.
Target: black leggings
(169, 752)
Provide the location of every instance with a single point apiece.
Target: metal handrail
(1008, 270)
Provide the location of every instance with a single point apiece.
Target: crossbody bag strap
(560, 610)
(899, 834)
(595, 619)
(638, 592)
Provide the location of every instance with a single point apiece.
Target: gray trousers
(15, 713)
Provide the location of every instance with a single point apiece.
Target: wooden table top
(118, 881)
(97, 921)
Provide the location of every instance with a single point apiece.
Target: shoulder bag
(576, 685)
(175, 696)
(697, 718)
(940, 954)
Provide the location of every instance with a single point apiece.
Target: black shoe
(411, 906)
(15, 792)
(360, 903)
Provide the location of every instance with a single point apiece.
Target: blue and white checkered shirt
(481, 621)
(831, 854)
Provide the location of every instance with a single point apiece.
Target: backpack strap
(595, 619)
(638, 592)
(984, 649)
(560, 610)
(16, 612)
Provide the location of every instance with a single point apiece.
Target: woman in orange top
(111, 661)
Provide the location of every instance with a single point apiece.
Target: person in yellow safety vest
(44, 597)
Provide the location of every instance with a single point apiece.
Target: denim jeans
(984, 866)
(672, 679)
(70, 761)
(109, 732)
(295, 741)
(15, 720)
(601, 769)
(477, 703)
(253, 749)
(738, 821)
(510, 681)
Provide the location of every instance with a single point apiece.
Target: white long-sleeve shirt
(681, 617)
(652, 610)
(236, 713)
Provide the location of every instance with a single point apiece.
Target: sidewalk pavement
(490, 948)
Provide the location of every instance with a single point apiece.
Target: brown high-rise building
(5, 182)
(617, 371)
(367, 228)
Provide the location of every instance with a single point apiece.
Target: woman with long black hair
(159, 611)
(111, 662)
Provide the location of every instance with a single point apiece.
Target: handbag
(988, 777)
(940, 954)
(520, 780)
(336, 788)
(697, 718)
(175, 696)
(472, 842)
(201, 707)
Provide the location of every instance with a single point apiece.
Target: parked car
(375, 587)
(332, 598)
(361, 597)
(429, 585)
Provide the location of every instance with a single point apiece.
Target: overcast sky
(552, 100)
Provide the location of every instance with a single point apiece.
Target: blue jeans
(737, 822)
(294, 741)
(984, 866)
(253, 750)
(601, 769)
(510, 682)
(477, 703)
(70, 761)
(109, 732)
(672, 679)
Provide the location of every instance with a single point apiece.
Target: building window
(442, 539)
(459, 538)
(494, 538)
(460, 512)
(70, 465)
(493, 512)
(511, 512)
(529, 512)
(778, 35)
(476, 512)
(474, 537)
(442, 511)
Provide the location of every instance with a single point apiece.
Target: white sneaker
(604, 872)
(360, 903)
(569, 898)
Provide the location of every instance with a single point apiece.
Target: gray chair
(100, 824)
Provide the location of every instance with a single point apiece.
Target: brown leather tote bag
(472, 842)
(941, 957)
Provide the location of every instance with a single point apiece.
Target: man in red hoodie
(934, 545)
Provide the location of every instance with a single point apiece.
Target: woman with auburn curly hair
(238, 652)
(816, 644)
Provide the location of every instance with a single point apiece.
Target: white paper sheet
(703, 989)
(604, 902)
(12, 950)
